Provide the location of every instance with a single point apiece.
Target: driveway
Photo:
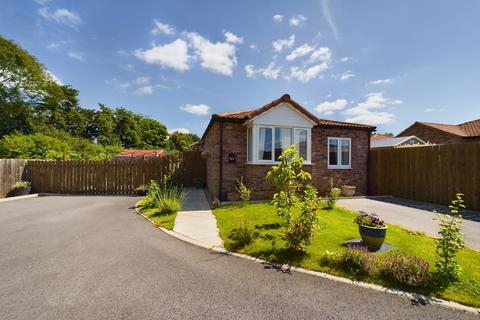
(415, 215)
(94, 258)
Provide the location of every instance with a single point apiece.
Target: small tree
(243, 191)
(450, 241)
(295, 202)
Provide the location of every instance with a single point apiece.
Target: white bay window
(266, 143)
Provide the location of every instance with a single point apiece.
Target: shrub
(170, 200)
(241, 237)
(152, 198)
(450, 242)
(369, 220)
(332, 196)
(405, 269)
(243, 191)
(21, 185)
(357, 261)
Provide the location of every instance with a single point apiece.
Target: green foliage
(332, 196)
(183, 141)
(241, 237)
(167, 197)
(243, 191)
(450, 242)
(369, 220)
(289, 179)
(62, 147)
(358, 261)
(405, 269)
(21, 185)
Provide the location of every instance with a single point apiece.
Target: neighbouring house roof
(466, 129)
(246, 115)
(140, 153)
(378, 136)
(392, 142)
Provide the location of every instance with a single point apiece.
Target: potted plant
(141, 190)
(21, 188)
(372, 229)
(348, 191)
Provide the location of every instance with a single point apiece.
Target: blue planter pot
(373, 238)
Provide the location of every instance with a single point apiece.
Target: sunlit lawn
(335, 228)
(160, 220)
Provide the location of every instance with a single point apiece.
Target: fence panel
(11, 171)
(431, 173)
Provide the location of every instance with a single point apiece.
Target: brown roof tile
(471, 128)
(129, 153)
(467, 129)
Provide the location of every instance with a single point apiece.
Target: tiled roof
(140, 153)
(467, 129)
(378, 136)
(249, 114)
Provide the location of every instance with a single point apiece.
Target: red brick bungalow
(246, 143)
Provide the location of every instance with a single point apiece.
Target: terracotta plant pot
(348, 191)
(373, 238)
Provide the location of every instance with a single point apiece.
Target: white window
(339, 153)
(266, 143)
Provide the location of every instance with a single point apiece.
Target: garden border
(27, 196)
(410, 295)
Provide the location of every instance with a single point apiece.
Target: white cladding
(283, 115)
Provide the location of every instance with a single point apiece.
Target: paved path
(405, 213)
(94, 258)
(196, 221)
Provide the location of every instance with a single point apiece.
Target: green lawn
(335, 227)
(160, 220)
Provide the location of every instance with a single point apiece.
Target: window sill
(272, 163)
(339, 168)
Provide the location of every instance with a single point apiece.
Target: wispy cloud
(144, 90)
(347, 75)
(299, 52)
(278, 18)
(329, 18)
(374, 110)
(434, 109)
(232, 37)
(76, 55)
(307, 74)
(297, 20)
(381, 81)
(162, 28)
(196, 109)
(329, 107)
(62, 16)
(281, 44)
(270, 72)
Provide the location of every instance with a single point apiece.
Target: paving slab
(196, 221)
(411, 217)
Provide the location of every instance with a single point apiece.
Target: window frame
(256, 143)
(339, 153)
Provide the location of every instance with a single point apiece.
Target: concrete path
(196, 221)
(407, 214)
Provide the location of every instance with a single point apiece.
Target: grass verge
(335, 227)
(166, 221)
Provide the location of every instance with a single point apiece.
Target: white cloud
(374, 110)
(328, 107)
(181, 130)
(254, 46)
(382, 81)
(42, 2)
(142, 80)
(434, 109)
(328, 16)
(143, 90)
(305, 75)
(54, 77)
(76, 55)
(63, 16)
(278, 18)
(171, 55)
(196, 109)
(345, 59)
(297, 20)
(232, 37)
(280, 44)
(270, 72)
(321, 54)
(300, 52)
(53, 45)
(347, 75)
(162, 28)
(217, 57)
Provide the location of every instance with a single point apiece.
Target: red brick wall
(235, 141)
(432, 135)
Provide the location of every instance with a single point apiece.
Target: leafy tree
(127, 128)
(183, 141)
(153, 133)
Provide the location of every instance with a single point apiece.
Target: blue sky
(380, 62)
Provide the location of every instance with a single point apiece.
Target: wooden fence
(432, 173)
(11, 171)
(120, 176)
